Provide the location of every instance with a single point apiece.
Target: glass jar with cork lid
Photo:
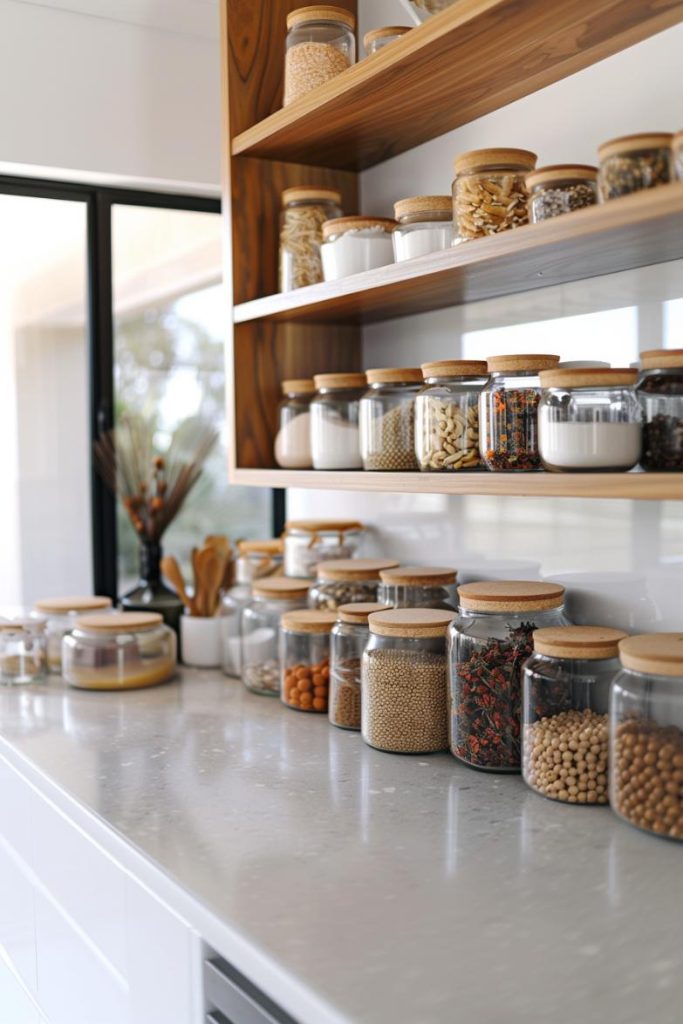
(61, 614)
(348, 640)
(634, 162)
(353, 245)
(343, 581)
(22, 650)
(418, 586)
(335, 410)
(377, 38)
(271, 598)
(305, 659)
(256, 559)
(305, 209)
(320, 45)
(310, 541)
(490, 192)
(508, 412)
(387, 419)
(447, 415)
(119, 651)
(660, 392)
(561, 188)
(425, 224)
(293, 440)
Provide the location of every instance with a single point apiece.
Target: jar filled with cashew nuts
(387, 419)
(348, 640)
(447, 415)
(304, 211)
(320, 44)
(490, 192)
(346, 580)
(418, 586)
(305, 659)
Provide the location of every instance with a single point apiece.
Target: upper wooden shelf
(474, 57)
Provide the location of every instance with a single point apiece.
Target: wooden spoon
(171, 570)
(196, 572)
(214, 569)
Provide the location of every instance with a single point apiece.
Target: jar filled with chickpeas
(347, 580)
(418, 586)
(490, 192)
(348, 641)
(447, 415)
(304, 211)
(387, 419)
(305, 659)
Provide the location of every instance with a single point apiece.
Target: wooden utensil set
(212, 571)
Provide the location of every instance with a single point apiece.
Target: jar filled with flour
(335, 439)
(425, 224)
(293, 440)
(352, 245)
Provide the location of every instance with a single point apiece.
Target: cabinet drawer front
(234, 996)
(17, 917)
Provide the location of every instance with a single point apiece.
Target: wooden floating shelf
(474, 57)
(634, 231)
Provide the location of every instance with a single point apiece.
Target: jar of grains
(634, 162)
(660, 390)
(447, 415)
(404, 686)
(119, 651)
(305, 659)
(677, 147)
(255, 559)
(320, 44)
(293, 439)
(418, 586)
(646, 734)
(589, 420)
(346, 581)
(488, 644)
(22, 650)
(560, 189)
(565, 712)
(352, 245)
(425, 224)
(508, 412)
(61, 614)
(271, 598)
(387, 419)
(304, 211)
(378, 38)
(490, 192)
(348, 640)
(309, 541)
(335, 434)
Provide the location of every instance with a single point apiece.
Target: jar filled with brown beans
(490, 192)
(305, 659)
(346, 580)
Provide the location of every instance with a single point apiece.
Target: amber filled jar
(320, 45)
(508, 412)
(378, 38)
(335, 433)
(119, 651)
(561, 188)
(387, 419)
(660, 391)
(447, 415)
(304, 211)
(418, 586)
(347, 580)
(305, 659)
(634, 162)
(490, 192)
(425, 224)
(271, 598)
(293, 439)
(348, 641)
(61, 614)
(310, 541)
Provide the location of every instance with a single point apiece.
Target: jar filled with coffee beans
(348, 640)
(305, 659)
(490, 192)
(304, 211)
(447, 415)
(260, 621)
(387, 419)
(418, 586)
(633, 162)
(347, 580)
(660, 391)
(561, 188)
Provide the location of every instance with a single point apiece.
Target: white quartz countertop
(357, 886)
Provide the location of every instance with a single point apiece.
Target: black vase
(150, 593)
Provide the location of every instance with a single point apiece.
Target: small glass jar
(348, 640)
(490, 192)
(335, 434)
(424, 9)
(488, 644)
(377, 38)
(61, 614)
(634, 162)
(256, 559)
(565, 712)
(677, 146)
(347, 580)
(23, 648)
(271, 598)
(119, 651)
(404, 688)
(320, 44)
(352, 245)
(387, 419)
(425, 224)
(589, 420)
(660, 391)
(447, 415)
(293, 439)
(561, 188)
(418, 586)
(305, 659)
(310, 541)
(646, 734)
(304, 211)
(508, 412)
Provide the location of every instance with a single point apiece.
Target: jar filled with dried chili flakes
(508, 412)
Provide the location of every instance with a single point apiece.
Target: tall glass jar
(272, 597)
(660, 390)
(335, 437)
(589, 420)
(119, 651)
(404, 704)
(488, 644)
(447, 415)
(490, 192)
(377, 38)
(347, 580)
(320, 44)
(418, 586)
(353, 245)
(508, 412)
(425, 224)
(256, 559)
(565, 712)
(310, 541)
(22, 651)
(305, 659)
(561, 188)
(304, 211)
(293, 439)
(387, 419)
(348, 640)
(646, 734)
(61, 614)
(633, 162)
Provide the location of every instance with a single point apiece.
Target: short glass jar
(377, 38)
(347, 580)
(404, 688)
(565, 712)
(488, 644)
(387, 419)
(320, 44)
(23, 646)
(335, 434)
(490, 192)
(508, 412)
(348, 640)
(119, 651)
(260, 658)
(352, 245)
(660, 391)
(418, 586)
(589, 420)
(559, 189)
(256, 559)
(61, 614)
(293, 440)
(646, 734)
(447, 415)
(424, 9)
(425, 224)
(634, 162)
(677, 146)
(310, 541)
(305, 659)
(304, 211)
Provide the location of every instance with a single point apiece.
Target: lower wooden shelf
(637, 485)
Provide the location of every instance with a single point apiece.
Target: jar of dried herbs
(660, 390)
(304, 211)
(490, 192)
(488, 643)
(633, 162)
(508, 412)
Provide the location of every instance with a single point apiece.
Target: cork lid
(455, 368)
(302, 193)
(385, 32)
(426, 622)
(340, 225)
(320, 12)
(357, 614)
(588, 377)
(339, 380)
(561, 172)
(349, 569)
(658, 653)
(395, 375)
(427, 207)
(273, 546)
(298, 386)
(632, 143)
(120, 622)
(35, 625)
(661, 358)
(418, 576)
(64, 605)
(307, 620)
(586, 642)
(280, 588)
(323, 525)
(481, 159)
(510, 596)
(497, 364)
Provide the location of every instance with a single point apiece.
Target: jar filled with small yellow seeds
(447, 415)
(387, 419)
(490, 192)
(304, 211)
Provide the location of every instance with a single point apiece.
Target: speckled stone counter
(356, 886)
